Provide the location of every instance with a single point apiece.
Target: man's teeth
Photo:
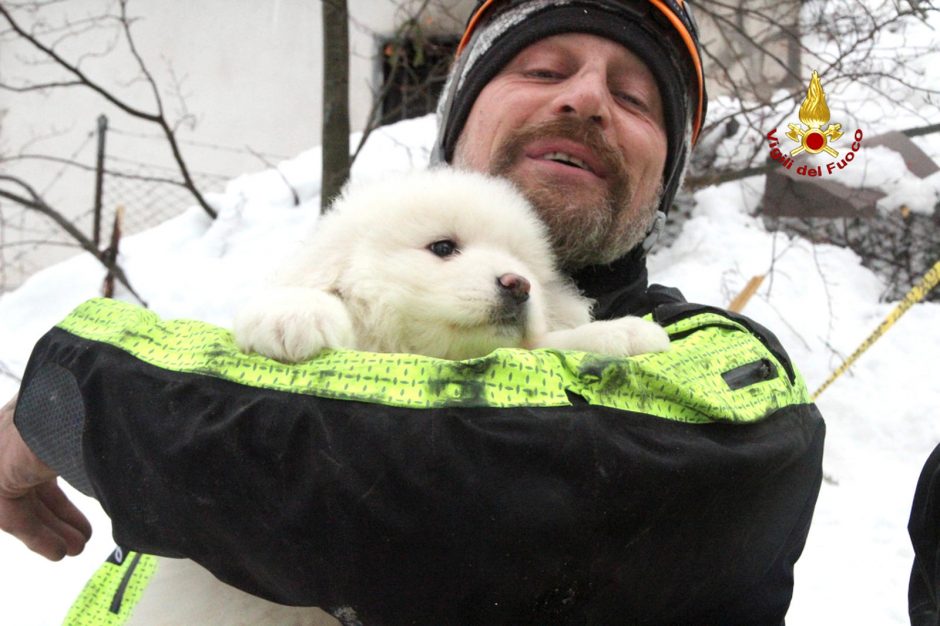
(567, 159)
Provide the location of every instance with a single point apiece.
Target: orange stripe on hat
(693, 52)
(471, 26)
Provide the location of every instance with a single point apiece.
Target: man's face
(576, 122)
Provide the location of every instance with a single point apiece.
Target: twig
(269, 165)
(373, 120)
(36, 203)
(84, 80)
(161, 118)
(111, 253)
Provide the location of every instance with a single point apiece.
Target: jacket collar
(618, 288)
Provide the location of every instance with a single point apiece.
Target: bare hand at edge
(32, 506)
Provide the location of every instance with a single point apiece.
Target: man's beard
(586, 228)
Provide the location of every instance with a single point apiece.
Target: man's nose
(586, 95)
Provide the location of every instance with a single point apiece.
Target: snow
(881, 416)
(818, 299)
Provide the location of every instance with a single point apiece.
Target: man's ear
(656, 228)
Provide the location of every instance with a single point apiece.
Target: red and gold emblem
(814, 114)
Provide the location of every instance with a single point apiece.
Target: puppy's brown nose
(514, 286)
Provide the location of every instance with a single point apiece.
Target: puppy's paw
(293, 324)
(629, 336)
(626, 336)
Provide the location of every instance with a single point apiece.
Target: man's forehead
(576, 46)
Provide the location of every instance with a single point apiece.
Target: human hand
(32, 506)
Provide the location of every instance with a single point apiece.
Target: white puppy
(442, 263)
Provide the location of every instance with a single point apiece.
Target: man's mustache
(582, 131)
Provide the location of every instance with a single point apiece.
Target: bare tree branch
(84, 80)
(372, 121)
(36, 203)
(41, 86)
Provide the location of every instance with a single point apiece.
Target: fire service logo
(814, 135)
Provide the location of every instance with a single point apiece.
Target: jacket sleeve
(523, 487)
(924, 529)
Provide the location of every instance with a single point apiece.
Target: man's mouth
(562, 144)
(568, 159)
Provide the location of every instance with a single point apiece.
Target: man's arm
(924, 529)
(32, 506)
(525, 486)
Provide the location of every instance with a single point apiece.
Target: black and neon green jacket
(525, 487)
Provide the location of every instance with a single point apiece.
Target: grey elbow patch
(50, 415)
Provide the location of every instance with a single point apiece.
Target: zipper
(749, 374)
(667, 314)
(118, 598)
(691, 331)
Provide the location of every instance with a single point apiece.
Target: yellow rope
(917, 293)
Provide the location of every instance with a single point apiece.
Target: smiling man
(668, 489)
(558, 121)
(590, 108)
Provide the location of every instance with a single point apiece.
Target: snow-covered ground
(882, 416)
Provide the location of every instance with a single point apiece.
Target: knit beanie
(661, 33)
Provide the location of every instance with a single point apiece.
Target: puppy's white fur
(180, 592)
(368, 280)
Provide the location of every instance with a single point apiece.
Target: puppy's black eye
(443, 248)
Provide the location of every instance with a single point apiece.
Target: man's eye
(630, 99)
(443, 248)
(543, 73)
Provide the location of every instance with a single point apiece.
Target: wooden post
(111, 254)
(741, 300)
(99, 179)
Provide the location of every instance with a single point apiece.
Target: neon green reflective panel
(683, 384)
(111, 594)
